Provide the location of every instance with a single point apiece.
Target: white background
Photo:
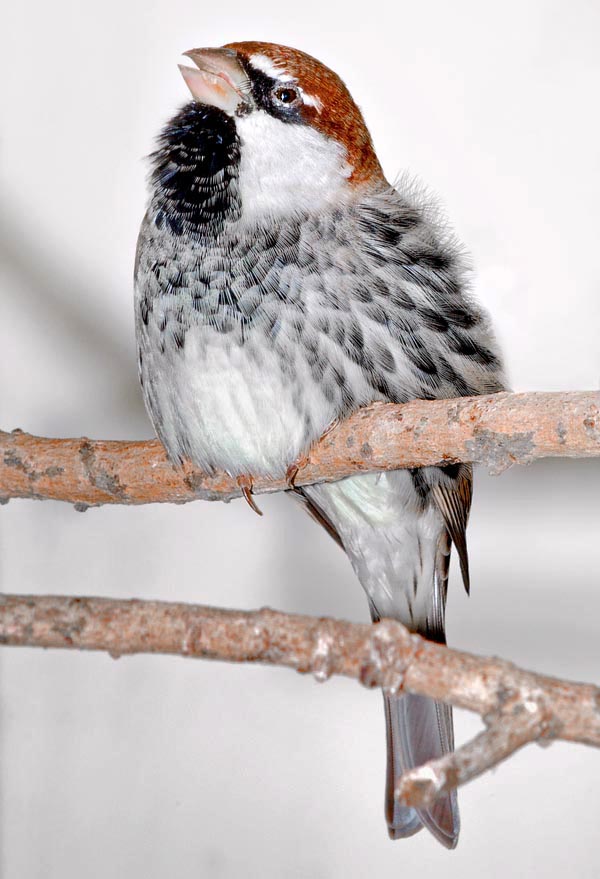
(153, 767)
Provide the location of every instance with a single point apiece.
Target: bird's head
(301, 139)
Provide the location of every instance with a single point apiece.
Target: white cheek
(286, 167)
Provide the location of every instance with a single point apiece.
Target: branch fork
(517, 706)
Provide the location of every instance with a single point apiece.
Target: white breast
(235, 405)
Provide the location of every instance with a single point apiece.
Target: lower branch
(517, 706)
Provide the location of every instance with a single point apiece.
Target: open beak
(218, 80)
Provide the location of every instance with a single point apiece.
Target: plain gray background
(153, 767)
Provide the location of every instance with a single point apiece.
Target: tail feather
(419, 729)
(402, 821)
(397, 529)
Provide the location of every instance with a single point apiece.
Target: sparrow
(280, 284)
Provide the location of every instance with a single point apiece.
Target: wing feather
(453, 498)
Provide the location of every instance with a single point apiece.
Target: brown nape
(338, 117)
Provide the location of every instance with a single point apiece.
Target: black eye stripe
(264, 92)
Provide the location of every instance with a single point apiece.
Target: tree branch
(421, 786)
(517, 706)
(497, 431)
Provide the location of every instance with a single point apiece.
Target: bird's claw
(245, 484)
(293, 470)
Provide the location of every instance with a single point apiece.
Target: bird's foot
(245, 483)
(293, 470)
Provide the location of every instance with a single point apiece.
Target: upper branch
(496, 430)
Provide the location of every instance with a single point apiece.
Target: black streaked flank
(388, 228)
(179, 337)
(145, 308)
(399, 323)
(468, 347)
(460, 316)
(433, 319)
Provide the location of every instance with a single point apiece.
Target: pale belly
(245, 409)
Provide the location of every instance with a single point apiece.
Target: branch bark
(497, 431)
(517, 706)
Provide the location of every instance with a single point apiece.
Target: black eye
(286, 95)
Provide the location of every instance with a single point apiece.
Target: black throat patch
(193, 170)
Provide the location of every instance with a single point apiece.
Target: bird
(281, 283)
